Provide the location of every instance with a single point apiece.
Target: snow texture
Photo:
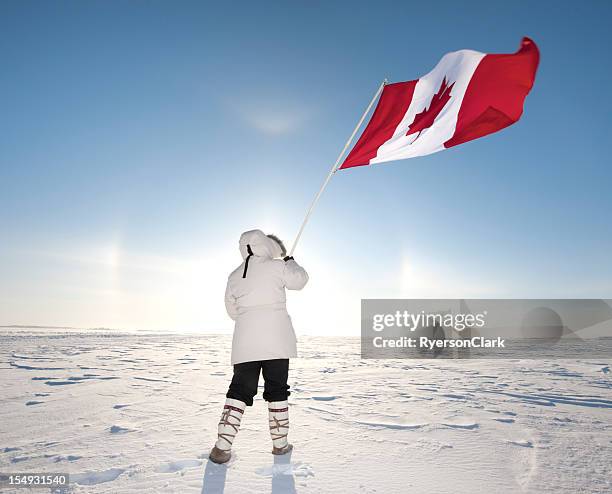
(132, 413)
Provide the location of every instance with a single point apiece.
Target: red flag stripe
(496, 92)
(392, 106)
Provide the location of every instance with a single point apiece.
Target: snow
(137, 412)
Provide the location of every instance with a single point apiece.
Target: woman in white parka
(264, 339)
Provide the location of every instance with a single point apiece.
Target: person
(264, 339)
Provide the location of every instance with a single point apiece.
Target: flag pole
(335, 167)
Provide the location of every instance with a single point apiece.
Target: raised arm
(295, 276)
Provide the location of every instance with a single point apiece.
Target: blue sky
(139, 139)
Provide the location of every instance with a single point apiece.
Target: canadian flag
(467, 95)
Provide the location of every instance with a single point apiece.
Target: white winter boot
(278, 413)
(227, 430)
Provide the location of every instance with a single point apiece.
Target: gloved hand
(288, 258)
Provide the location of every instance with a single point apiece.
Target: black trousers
(246, 379)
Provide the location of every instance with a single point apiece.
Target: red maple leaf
(426, 118)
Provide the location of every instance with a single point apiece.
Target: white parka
(255, 299)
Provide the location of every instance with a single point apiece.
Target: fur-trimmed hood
(261, 245)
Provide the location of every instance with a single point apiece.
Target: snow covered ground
(137, 413)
